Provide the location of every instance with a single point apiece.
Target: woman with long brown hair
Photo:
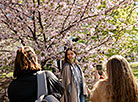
(120, 85)
(24, 87)
(73, 79)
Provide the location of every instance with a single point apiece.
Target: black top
(24, 88)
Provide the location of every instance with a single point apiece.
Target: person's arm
(99, 92)
(94, 93)
(97, 76)
(55, 87)
(104, 75)
(66, 77)
(66, 80)
(88, 90)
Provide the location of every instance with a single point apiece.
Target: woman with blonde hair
(120, 84)
(24, 87)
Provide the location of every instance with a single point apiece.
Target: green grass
(135, 72)
(10, 74)
(134, 64)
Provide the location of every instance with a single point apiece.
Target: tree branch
(6, 51)
(67, 16)
(101, 43)
(85, 9)
(40, 22)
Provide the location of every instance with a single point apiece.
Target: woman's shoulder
(103, 81)
(101, 84)
(66, 65)
(66, 68)
(99, 92)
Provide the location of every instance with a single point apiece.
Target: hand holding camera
(100, 71)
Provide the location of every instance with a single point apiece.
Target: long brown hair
(26, 59)
(121, 79)
(66, 60)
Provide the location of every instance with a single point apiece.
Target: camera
(99, 69)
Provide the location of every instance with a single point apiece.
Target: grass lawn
(135, 72)
(134, 66)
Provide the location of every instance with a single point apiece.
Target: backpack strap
(41, 85)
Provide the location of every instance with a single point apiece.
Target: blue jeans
(81, 96)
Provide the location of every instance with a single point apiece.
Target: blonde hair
(121, 79)
(26, 59)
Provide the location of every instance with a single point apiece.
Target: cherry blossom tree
(97, 29)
